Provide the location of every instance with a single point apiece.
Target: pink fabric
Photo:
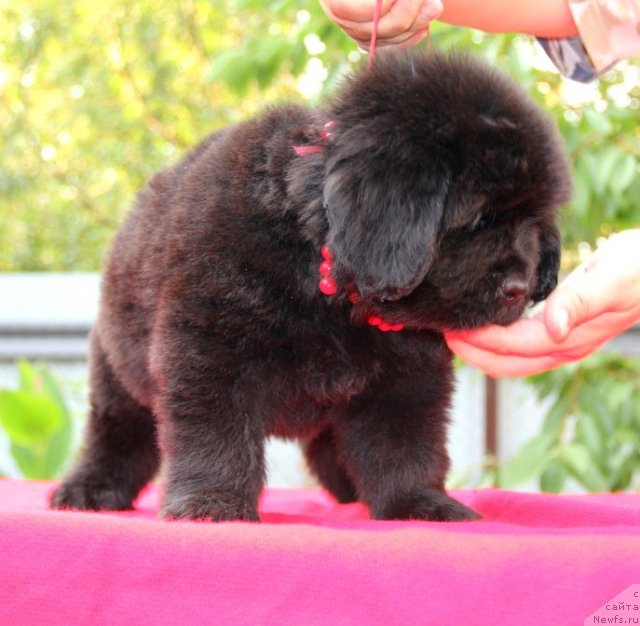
(534, 559)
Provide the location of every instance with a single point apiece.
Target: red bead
(353, 297)
(326, 253)
(304, 151)
(325, 268)
(383, 325)
(327, 286)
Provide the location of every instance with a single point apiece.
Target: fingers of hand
(514, 351)
(501, 365)
(401, 22)
(527, 337)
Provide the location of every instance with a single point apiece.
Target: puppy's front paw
(204, 505)
(87, 494)
(432, 505)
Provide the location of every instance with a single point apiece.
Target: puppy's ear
(383, 224)
(549, 264)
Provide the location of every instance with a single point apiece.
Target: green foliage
(590, 433)
(605, 146)
(98, 97)
(37, 422)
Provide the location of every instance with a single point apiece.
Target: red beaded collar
(327, 284)
(329, 287)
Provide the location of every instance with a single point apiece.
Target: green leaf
(557, 415)
(28, 418)
(30, 461)
(623, 175)
(623, 476)
(620, 392)
(528, 462)
(553, 477)
(590, 433)
(601, 166)
(37, 422)
(581, 199)
(240, 74)
(598, 122)
(576, 458)
(29, 378)
(53, 389)
(59, 448)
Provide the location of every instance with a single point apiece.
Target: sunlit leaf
(577, 460)
(28, 418)
(30, 461)
(29, 378)
(526, 464)
(553, 477)
(599, 122)
(624, 173)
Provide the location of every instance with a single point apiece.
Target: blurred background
(96, 97)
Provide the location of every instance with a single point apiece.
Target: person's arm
(541, 18)
(405, 22)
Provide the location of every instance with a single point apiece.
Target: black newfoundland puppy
(293, 276)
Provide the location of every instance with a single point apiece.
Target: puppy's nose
(514, 290)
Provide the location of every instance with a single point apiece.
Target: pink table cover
(534, 559)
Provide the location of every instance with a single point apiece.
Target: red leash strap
(377, 11)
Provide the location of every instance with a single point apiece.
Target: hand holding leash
(403, 22)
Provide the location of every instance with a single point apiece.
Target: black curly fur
(438, 186)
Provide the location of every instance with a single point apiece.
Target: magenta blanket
(534, 559)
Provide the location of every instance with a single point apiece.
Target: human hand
(599, 300)
(402, 22)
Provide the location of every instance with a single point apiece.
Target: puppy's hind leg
(394, 447)
(120, 454)
(322, 457)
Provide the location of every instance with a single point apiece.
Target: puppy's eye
(481, 222)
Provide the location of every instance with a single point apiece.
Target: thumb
(558, 322)
(578, 299)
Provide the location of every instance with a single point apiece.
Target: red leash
(377, 11)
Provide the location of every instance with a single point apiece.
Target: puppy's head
(441, 189)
